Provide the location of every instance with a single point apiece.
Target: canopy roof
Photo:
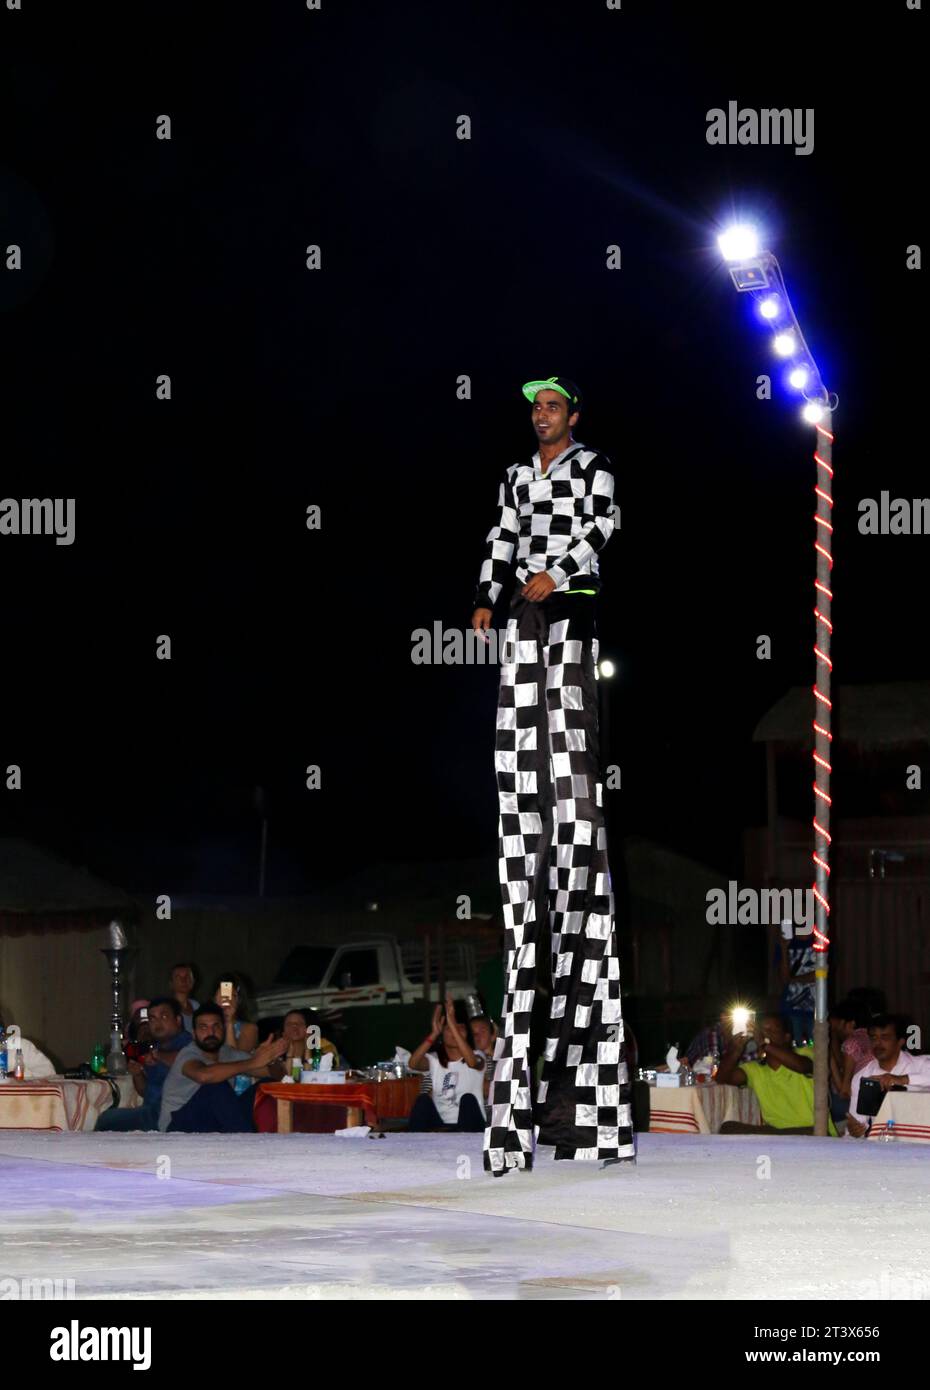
(41, 891)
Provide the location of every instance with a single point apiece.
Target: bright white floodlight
(607, 669)
(798, 377)
(785, 344)
(813, 413)
(740, 243)
(770, 308)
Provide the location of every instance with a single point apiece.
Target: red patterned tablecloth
(53, 1103)
(910, 1111)
(700, 1109)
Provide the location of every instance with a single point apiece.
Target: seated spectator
(850, 1049)
(484, 1036)
(457, 1074)
(891, 1065)
(782, 1079)
(150, 1071)
(198, 1096)
(294, 1028)
(714, 1040)
(181, 985)
(35, 1063)
(241, 1033)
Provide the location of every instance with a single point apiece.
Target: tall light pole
(756, 272)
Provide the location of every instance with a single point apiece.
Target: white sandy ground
(415, 1216)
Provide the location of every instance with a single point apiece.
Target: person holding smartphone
(782, 1077)
(456, 1071)
(241, 1034)
(150, 1070)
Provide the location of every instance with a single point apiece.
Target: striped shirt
(557, 521)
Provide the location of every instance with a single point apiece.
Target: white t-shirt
(916, 1068)
(452, 1082)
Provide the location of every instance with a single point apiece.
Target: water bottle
(889, 1136)
(4, 1057)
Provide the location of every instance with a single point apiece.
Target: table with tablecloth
(700, 1109)
(57, 1103)
(376, 1100)
(910, 1111)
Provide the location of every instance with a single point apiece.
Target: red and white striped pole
(823, 737)
(756, 272)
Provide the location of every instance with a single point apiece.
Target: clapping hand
(450, 1014)
(271, 1048)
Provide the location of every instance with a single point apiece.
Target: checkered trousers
(559, 921)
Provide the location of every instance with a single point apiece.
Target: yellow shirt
(786, 1097)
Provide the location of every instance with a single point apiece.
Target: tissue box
(323, 1078)
(668, 1078)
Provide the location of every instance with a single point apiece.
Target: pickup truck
(373, 992)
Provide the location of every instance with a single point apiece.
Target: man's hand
(854, 1127)
(481, 621)
(539, 587)
(888, 1079)
(134, 1067)
(266, 1052)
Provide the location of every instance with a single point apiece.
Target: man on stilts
(555, 516)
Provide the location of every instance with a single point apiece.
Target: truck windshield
(306, 966)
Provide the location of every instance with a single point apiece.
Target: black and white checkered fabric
(555, 521)
(558, 899)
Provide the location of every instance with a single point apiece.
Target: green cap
(554, 383)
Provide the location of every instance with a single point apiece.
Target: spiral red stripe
(823, 535)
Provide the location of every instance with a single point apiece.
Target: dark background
(440, 258)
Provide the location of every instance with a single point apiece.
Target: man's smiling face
(551, 419)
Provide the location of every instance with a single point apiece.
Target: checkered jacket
(556, 521)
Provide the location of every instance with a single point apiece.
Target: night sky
(337, 387)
